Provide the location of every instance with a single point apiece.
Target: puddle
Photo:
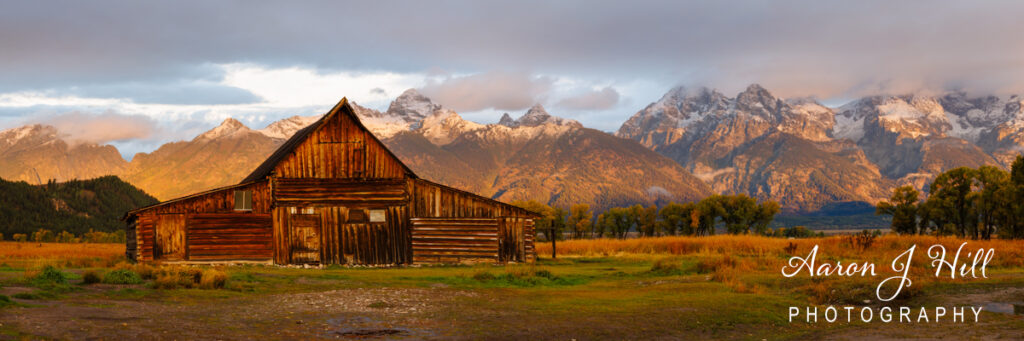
(363, 327)
(1005, 308)
(370, 333)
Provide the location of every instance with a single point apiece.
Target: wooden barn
(332, 194)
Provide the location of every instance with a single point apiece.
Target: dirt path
(337, 314)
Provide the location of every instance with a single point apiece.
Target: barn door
(305, 237)
(170, 237)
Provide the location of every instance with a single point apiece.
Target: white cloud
(109, 126)
(601, 99)
(299, 87)
(489, 90)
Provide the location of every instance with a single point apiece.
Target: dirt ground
(335, 314)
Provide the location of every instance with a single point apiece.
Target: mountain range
(689, 144)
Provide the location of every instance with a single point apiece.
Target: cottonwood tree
(579, 220)
(951, 197)
(903, 207)
(676, 218)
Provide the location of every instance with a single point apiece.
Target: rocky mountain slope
(219, 157)
(690, 143)
(806, 155)
(37, 153)
(537, 156)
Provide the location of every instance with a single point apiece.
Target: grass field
(722, 287)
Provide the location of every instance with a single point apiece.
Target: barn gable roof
(342, 108)
(263, 171)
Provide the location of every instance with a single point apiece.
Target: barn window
(356, 216)
(377, 216)
(243, 200)
(308, 210)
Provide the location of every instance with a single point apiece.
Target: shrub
(90, 277)
(664, 266)
(483, 276)
(166, 281)
(863, 240)
(145, 271)
(186, 276)
(713, 264)
(26, 296)
(6, 301)
(790, 249)
(122, 276)
(49, 275)
(213, 279)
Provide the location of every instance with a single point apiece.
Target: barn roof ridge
(296, 139)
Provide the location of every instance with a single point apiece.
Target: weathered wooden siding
(170, 237)
(453, 240)
(340, 192)
(512, 241)
(219, 201)
(131, 242)
(145, 236)
(229, 236)
(528, 235)
(342, 242)
(513, 228)
(339, 148)
(431, 200)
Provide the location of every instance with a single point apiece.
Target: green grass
(637, 296)
(6, 302)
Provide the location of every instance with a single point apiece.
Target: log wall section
(446, 208)
(340, 148)
(220, 236)
(455, 240)
(131, 242)
(145, 236)
(339, 192)
(220, 201)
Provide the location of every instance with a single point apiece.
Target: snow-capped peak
(412, 106)
(538, 116)
(507, 120)
(230, 127)
(444, 125)
(285, 128)
(14, 135)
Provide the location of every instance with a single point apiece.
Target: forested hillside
(75, 206)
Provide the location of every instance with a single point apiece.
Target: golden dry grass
(1008, 253)
(63, 254)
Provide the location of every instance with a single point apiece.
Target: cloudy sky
(137, 74)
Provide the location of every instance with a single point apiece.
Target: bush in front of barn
(213, 279)
(122, 276)
(91, 277)
(173, 277)
(48, 276)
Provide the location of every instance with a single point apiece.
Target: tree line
(965, 202)
(738, 214)
(75, 206)
(48, 236)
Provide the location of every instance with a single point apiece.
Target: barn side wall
(211, 228)
(339, 241)
(452, 226)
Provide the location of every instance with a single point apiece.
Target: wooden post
(551, 234)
